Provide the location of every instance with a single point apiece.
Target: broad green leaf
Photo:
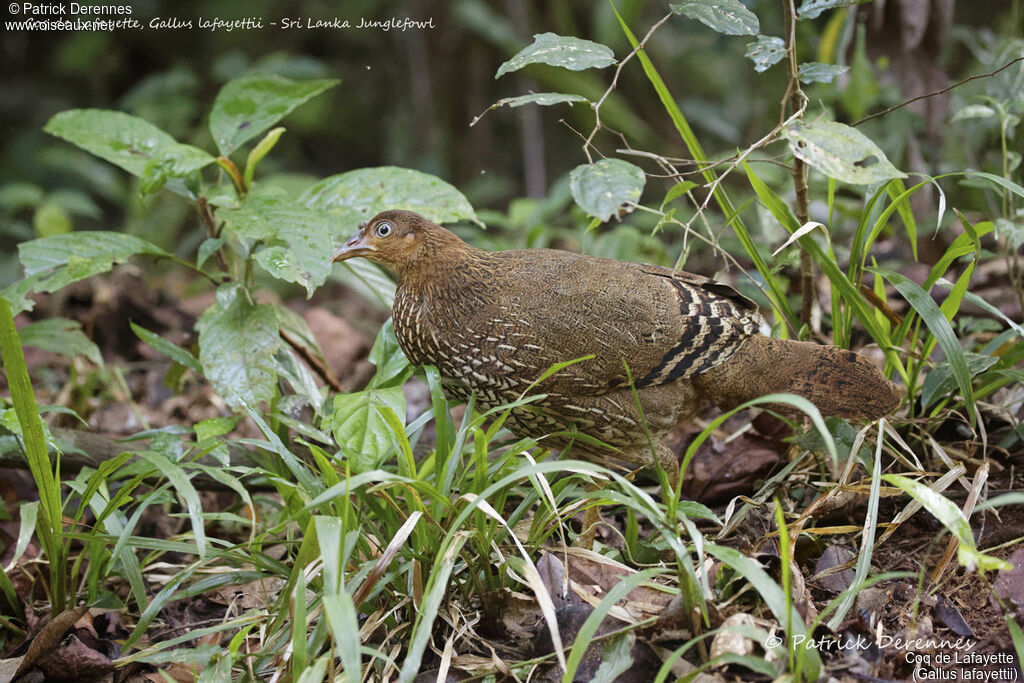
(951, 517)
(765, 52)
(810, 9)
(840, 152)
(246, 107)
(393, 368)
(104, 247)
(602, 187)
(730, 17)
(57, 261)
(135, 145)
(62, 336)
(169, 349)
(567, 52)
(360, 429)
(237, 343)
(816, 72)
(974, 111)
(288, 239)
(367, 191)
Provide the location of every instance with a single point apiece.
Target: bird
(638, 348)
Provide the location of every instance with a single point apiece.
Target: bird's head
(399, 241)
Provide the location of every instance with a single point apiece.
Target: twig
(798, 101)
(937, 92)
(615, 81)
(317, 364)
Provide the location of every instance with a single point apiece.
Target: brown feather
(494, 322)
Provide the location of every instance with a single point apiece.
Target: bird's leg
(666, 459)
(591, 518)
(663, 458)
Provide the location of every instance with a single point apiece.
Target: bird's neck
(444, 262)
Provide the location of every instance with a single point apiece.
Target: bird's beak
(357, 245)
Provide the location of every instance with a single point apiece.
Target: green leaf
(292, 241)
(393, 368)
(368, 280)
(816, 72)
(172, 351)
(840, 152)
(50, 529)
(361, 430)
(940, 329)
(237, 343)
(1011, 231)
(62, 336)
(545, 99)
(602, 187)
(974, 111)
(765, 52)
(567, 52)
(51, 219)
(730, 17)
(135, 145)
(810, 9)
(953, 519)
(246, 107)
(257, 153)
(60, 260)
(342, 618)
(164, 461)
(940, 380)
(677, 191)
(365, 192)
(207, 249)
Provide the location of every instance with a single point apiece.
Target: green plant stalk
(49, 525)
(785, 557)
(776, 296)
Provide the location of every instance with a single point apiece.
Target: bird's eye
(384, 229)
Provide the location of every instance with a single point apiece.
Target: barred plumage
(495, 322)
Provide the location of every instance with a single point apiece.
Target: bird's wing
(663, 325)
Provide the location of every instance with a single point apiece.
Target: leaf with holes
(567, 52)
(602, 187)
(810, 9)
(730, 17)
(840, 152)
(765, 52)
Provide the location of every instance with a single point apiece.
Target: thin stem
(797, 101)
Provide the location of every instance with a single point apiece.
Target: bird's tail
(837, 381)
